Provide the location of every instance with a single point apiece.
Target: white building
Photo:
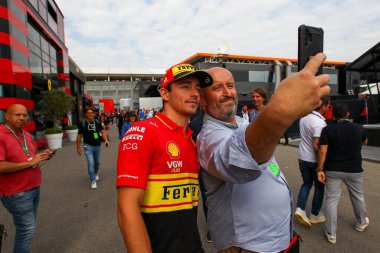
(119, 83)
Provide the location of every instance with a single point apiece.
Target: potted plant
(72, 132)
(54, 105)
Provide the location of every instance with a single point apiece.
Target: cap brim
(205, 79)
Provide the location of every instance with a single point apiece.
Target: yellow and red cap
(179, 71)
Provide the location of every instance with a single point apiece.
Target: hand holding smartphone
(310, 43)
(53, 153)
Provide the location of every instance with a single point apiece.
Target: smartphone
(54, 151)
(310, 42)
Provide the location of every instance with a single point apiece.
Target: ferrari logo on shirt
(171, 192)
(173, 150)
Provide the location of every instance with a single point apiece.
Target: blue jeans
(309, 176)
(93, 156)
(23, 207)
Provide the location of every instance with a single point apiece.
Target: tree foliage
(55, 104)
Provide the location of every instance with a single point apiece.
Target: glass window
(259, 76)
(34, 36)
(16, 33)
(45, 45)
(53, 52)
(52, 12)
(53, 63)
(35, 64)
(53, 25)
(33, 48)
(333, 79)
(17, 11)
(54, 73)
(46, 68)
(45, 57)
(60, 28)
(52, 17)
(42, 10)
(21, 92)
(34, 3)
(20, 57)
(12, 91)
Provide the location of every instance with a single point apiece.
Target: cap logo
(207, 80)
(173, 149)
(182, 68)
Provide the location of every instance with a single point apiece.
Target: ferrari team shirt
(157, 156)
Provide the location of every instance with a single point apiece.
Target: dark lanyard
(317, 115)
(25, 146)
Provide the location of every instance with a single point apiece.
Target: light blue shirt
(252, 208)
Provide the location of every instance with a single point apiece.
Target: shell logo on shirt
(173, 150)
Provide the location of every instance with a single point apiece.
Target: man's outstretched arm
(296, 96)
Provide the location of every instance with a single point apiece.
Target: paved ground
(75, 219)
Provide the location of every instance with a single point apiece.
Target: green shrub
(55, 104)
(72, 127)
(53, 131)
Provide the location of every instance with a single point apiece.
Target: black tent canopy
(368, 65)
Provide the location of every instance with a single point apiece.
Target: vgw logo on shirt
(174, 166)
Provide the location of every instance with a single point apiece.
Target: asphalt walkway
(73, 218)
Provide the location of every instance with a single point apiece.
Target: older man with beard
(249, 201)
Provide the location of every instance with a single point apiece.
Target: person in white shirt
(245, 114)
(310, 129)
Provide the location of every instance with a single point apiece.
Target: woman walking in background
(127, 124)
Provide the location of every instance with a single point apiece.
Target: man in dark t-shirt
(92, 131)
(340, 161)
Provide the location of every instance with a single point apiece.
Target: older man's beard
(228, 115)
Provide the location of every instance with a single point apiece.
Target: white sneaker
(330, 237)
(302, 218)
(361, 227)
(317, 218)
(93, 185)
(97, 177)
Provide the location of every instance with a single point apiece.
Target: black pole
(377, 86)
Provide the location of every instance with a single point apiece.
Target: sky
(160, 33)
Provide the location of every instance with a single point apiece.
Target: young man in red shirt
(20, 175)
(157, 171)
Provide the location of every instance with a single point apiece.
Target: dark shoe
(208, 237)
(3, 235)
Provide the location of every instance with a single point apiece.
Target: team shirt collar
(170, 124)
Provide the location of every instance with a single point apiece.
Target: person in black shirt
(120, 120)
(91, 131)
(340, 161)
